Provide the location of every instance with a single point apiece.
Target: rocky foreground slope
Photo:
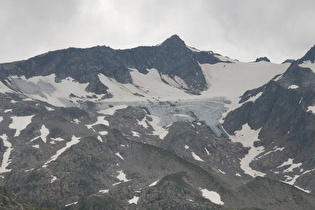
(161, 127)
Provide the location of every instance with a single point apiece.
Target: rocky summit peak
(262, 59)
(174, 40)
(309, 56)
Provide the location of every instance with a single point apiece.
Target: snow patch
(46, 89)
(100, 120)
(49, 108)
(135, 134)
(247, 137)
(100, 138)
(117, 154)
(103, 133)
(213, 196)
(222, 172)
(143, 122)
(76, 121)
(70, 204)
(311, 109)
(74, 141)
(57, 139)
(36, 146)
(104, 191)
(186, 147)
(181, 115)
(122, 176)
(277, 78)
(275, 149)
(53, 178)
(196, 157)
(112, 110)
(44, 133)
(20, 123)
(253, 98)
(6, 155)
(291, 164)
(308, 64)
(4, 88)
(134, 200)
(154, 183)
(207, 151)
(158, 130)
(293, 87)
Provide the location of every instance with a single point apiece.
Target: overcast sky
(240, 29)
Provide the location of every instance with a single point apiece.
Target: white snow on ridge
(278, 78)
(213, 196)
(253, 98)
(6, 155)
(74, 140)
(311, 109)
(247, 137)
(20, 123)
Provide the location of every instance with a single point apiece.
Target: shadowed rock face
(309, 56)
(262, 59)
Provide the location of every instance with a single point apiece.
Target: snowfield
(247, 137)
(6, 155)
(213, 196)
(74, 141)
(20, 123)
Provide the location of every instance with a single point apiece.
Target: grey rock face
(172, 58)
(153, 154)
(281, 113)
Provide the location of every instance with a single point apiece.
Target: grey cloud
(243, 29)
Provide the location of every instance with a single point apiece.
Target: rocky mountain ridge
(159, 127)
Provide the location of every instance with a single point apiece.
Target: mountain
(160, 127)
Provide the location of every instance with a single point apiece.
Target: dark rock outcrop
(262, 59)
